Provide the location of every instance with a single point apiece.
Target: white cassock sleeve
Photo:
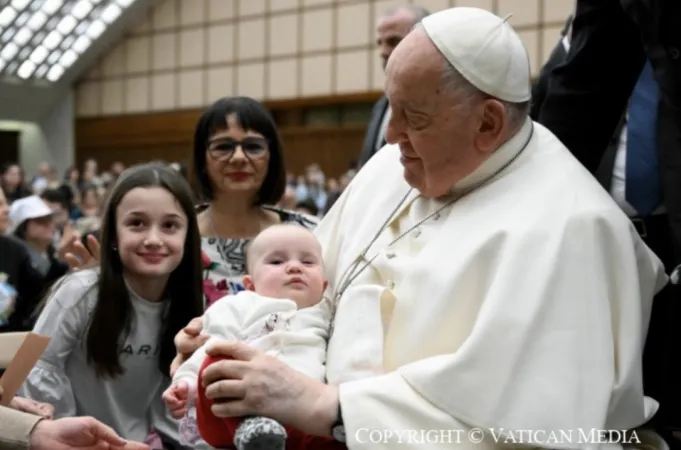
(556, 344)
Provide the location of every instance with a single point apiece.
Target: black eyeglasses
(224, 148)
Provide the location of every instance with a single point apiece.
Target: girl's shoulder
(288, 216)
(74, 289)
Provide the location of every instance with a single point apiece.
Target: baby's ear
(248, 283)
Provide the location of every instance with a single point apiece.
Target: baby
(281, 313)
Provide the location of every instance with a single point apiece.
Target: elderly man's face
(437, 140)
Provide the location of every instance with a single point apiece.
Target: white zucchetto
(485, 49)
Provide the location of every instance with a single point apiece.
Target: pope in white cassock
(481, 277)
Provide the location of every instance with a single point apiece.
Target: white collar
(498, 160)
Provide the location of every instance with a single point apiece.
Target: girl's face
(237, 160)
(152, 229)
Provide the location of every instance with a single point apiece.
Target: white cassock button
(390, 255)
(436, 216)
(390, 284)
(417, 233)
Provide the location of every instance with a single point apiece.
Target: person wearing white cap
(29, 208)
(32, 221)
(487, 291)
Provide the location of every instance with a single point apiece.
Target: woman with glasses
(238, 170)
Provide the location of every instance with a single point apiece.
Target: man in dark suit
(625, 57)
(557, 57)
(392, 27)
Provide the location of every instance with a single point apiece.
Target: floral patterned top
(223, 259)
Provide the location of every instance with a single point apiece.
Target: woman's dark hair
(251, 115)
(111, 320)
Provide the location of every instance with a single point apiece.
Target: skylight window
(7, 35)
(37, 21)
(21, 20)
(26, 69)
(81, 9)
(66, 25)
(20, 4)
(9, 51)
(111, 13)
(55, 72)
(39, 55)
(52, 40)
(95, 29)
(23, 36)
(7, 16)
(68, 58)
(42, 39)
(51, 6)
(82, 44)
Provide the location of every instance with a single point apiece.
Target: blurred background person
(12, 182)
(393, 25)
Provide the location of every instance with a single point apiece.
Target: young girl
(112, 327)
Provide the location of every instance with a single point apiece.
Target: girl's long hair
(112, 318)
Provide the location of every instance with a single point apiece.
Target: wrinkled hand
(254, 383)
(176, 398)
(78, 433)
(79, 257)
(32, 407)
(187, 341)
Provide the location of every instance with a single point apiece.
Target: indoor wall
(304, 58)
(187, 53)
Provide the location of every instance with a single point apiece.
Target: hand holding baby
(177, 397)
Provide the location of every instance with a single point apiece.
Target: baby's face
(286, 262)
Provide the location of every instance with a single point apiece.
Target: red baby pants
(219, 432)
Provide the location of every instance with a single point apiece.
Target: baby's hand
(176, 398)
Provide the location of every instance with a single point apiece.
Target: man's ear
(248, 283)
